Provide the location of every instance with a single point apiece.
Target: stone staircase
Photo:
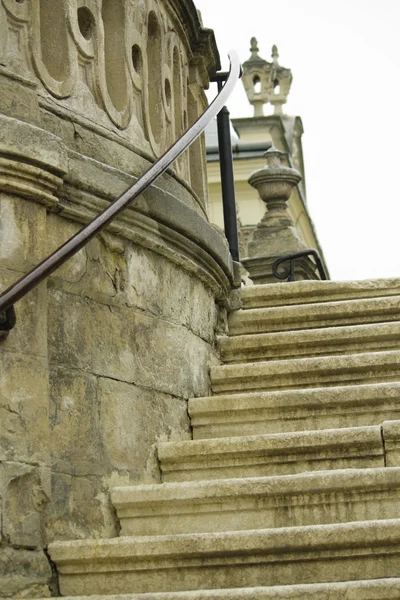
(291, 486)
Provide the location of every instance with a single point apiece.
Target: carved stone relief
(127, 61)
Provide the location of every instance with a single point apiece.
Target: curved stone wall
(106, 353)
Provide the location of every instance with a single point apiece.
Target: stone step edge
(311, 292)
(292, 447)
(370, 589)
(278, 543)
(310, 316)
(309, 397)
(304, 341)
(148, 497)
(302, 372)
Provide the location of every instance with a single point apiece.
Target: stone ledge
(258, 503)
(274, 454)
(308, 292)
(371, 367)
(313, 554)
(306, 316)
(371, 589)
(294, 410)
(348, 339)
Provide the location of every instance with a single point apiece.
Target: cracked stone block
(76, 445)
(24, 432)
(76, 510)
(133, 420)
(24, 573)
(26, 493)
(127, 345)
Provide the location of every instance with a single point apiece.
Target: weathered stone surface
(307, 292)
(296, 373)
(76, 444)
(310, 316)
(30, 337)
(158, 287)
(18, 100)
(127, 345)
(391, 436)
(132, 421)
(278, 411)
(24, 429)
(78, 508)
(274, 454)
(26, 491)
(372, 589)
(311, 342)
(24, 573)
(258, 503)
(105, 353)
(289, 555)
(22, 232)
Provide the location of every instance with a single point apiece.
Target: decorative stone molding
(96, 108)
(33, 162)
(124, 64)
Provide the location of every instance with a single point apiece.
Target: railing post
(227, 177)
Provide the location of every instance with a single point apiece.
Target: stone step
(371, 367)
(285, 556)
(294, 410)
(310, 316)
(311, 342)
(258, 503)
(274, 454)
(309, 292)
(371, 589)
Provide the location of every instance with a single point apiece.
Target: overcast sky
(344, 56)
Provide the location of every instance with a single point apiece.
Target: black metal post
(227, 178)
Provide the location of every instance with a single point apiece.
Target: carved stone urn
(276, 234)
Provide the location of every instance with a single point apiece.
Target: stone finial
(257, 79)
(276, 233)
(282, 80)
(265, 81)
(253, 46)
(275, 55)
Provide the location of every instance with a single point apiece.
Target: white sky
(345, 58)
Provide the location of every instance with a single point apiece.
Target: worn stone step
(371, 589)
(274, 454)
(371, 367)
(310, 316)
(258, 503)
(268, 557)
(294, 410)
(309, 292)
(311, 342)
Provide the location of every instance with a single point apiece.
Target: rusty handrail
(27, 282)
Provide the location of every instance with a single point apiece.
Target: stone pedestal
(276, 233)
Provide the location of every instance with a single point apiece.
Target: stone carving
(276, 233)
(121, 63)
(264, 81)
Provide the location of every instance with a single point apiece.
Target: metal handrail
(288, 272)
(27, 282)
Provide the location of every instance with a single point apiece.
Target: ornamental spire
(265, 81)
